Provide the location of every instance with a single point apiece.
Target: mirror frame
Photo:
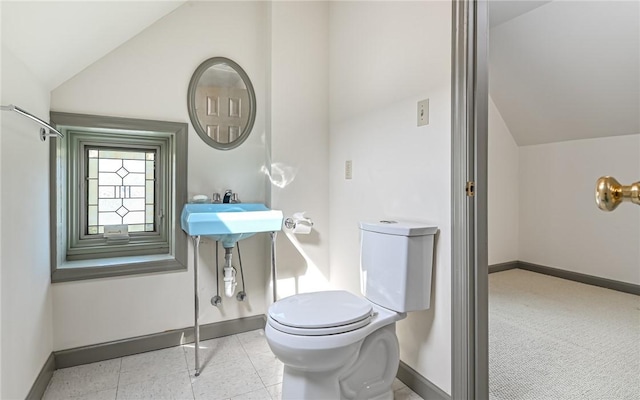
(191, 96)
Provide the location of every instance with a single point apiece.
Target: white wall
(560, 225)
(300, 139)
(147, 77)
(552, 214)
(542, 208)
(384, 57)
(26, 295)
(503, 205)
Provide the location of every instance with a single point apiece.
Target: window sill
(117, 266)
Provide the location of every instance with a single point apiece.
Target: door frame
(469, 147)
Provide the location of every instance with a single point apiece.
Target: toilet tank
(396, 263)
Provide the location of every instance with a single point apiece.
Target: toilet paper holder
(297, 218)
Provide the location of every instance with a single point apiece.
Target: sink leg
(196, 328)
(217, 300)
(273, 265)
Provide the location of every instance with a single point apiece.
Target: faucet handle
(216, 198)
(235, 198)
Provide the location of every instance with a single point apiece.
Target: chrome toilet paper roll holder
(298, 218)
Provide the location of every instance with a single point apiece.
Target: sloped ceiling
(559, 70)
(58, 39)
(503, 11)
(568, 70)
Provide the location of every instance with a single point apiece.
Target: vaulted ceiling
(566, 70)
(58, 39)
(501, 11)
(559, 70)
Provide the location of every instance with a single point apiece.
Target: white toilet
(336, 345)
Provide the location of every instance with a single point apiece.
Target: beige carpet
(551, 338)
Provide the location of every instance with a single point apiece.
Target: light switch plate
(348, 169)
(423, 112)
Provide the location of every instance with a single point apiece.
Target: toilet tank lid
(399, 228)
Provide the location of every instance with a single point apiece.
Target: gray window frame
(74, 257)
(81, 246)
(161, 180)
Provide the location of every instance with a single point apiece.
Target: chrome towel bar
(45, 132)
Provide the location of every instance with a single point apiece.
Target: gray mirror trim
(191, 94)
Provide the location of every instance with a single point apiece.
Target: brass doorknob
(610, 193)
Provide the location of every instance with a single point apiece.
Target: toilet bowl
(334, 345)
(337, 345)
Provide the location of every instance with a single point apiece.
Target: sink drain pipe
(229, 273)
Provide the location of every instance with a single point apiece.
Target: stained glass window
(120, 189)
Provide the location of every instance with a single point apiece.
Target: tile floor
(238, 367)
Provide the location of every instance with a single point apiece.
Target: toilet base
(296, 385)
(368, 375)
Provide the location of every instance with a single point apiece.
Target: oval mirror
(222, 103)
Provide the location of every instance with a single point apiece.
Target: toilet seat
(320, 313)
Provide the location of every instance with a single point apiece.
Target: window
(120, 189)
(117, 189)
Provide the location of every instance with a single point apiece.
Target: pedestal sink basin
(229, 223)
(226, 223)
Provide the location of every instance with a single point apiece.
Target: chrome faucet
(230, 197)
